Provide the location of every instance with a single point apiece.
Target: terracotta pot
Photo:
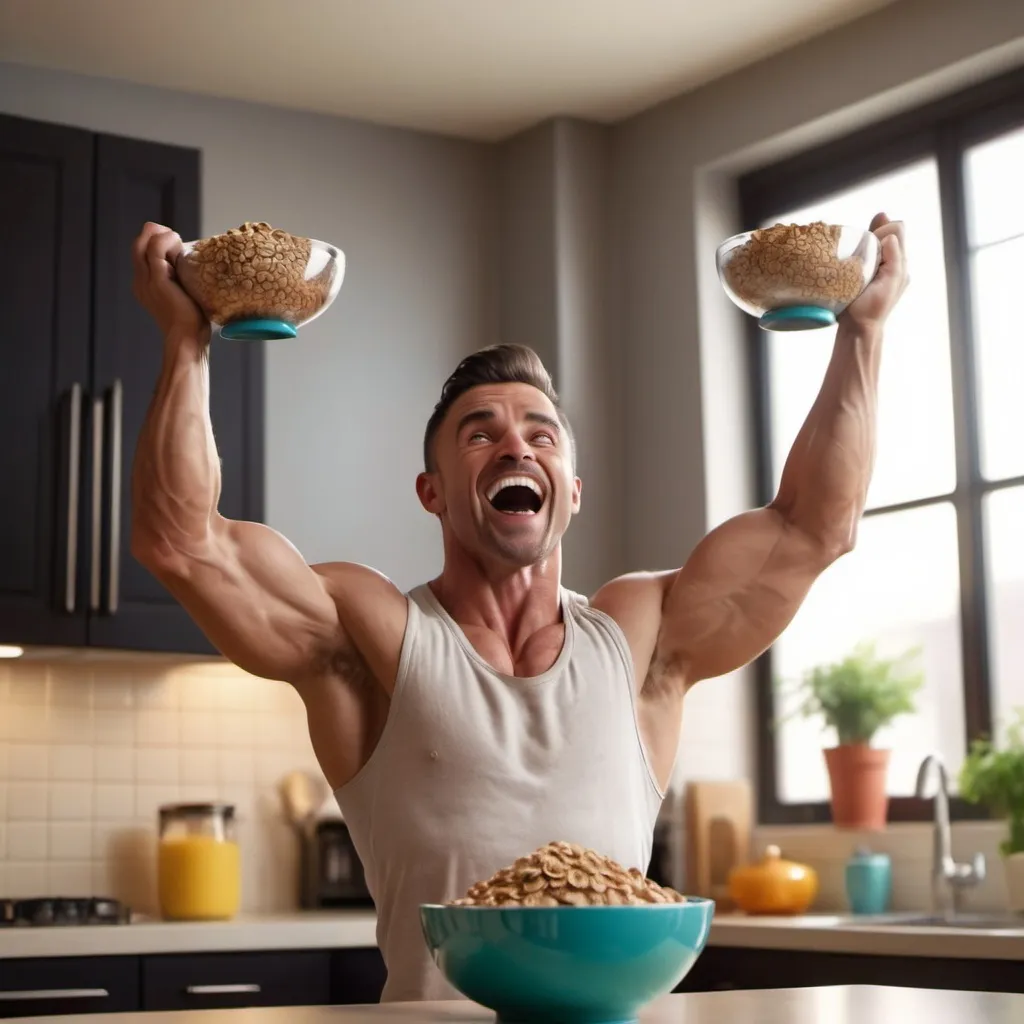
(857, 774)
(1013, 865)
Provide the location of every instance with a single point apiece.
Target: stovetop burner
(62, 910)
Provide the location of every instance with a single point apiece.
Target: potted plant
(995, 779)
(856, 697)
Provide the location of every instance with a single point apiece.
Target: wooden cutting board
(719, 825)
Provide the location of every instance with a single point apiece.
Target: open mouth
(516, 496)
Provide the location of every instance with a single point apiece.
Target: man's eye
(545, 438)
(478, 436)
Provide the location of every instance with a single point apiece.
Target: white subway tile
(157, 764)
(71, 801)
(70, 725)
(196, 692)
(70, 840)
(114, 801)
(158, 694)
(160, 728)
(236, 728)
(28, 685)
(72, 878)
(236, 766)
(114, 763)
(26, 723)
(70, 690)
(199, 729)
(113, 693)
(26, 840)
(25, 879)
(113, 727)
(72, 762)
(28, 761)
(27, 801)
(150, 796)
(199, 765)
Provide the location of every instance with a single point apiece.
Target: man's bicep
(256, 600)
(737, 592)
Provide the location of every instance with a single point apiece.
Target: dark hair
(496, 364)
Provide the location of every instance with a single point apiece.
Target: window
(939, 563)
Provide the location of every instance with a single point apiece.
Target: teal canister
(868, 882)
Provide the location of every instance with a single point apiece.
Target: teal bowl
(570, 965)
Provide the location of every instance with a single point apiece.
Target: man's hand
(156, 288)
(876, 302)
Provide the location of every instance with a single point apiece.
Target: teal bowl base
(796, 318)
(258, 330)
(562, 1018)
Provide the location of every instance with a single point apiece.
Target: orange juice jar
(199, 875)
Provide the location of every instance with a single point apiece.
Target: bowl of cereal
(257, 283)
(568, 936)
(796, 277)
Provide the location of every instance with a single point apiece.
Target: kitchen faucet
(949, 878)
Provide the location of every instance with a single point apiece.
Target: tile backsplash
(90, 749)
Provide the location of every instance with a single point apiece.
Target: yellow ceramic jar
(773, 885)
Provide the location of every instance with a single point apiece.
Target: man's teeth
(514, 481)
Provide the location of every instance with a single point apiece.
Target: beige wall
(90, 749)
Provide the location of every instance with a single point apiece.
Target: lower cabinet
(48, 986)
(57, 985)
(724, 967)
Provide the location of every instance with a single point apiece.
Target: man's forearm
(176, 478)
(826, 476)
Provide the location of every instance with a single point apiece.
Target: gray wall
(554, 203)
(688, 438)
(347, 401)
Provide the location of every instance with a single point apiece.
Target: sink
(993, 922)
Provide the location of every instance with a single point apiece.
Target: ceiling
(481, 69)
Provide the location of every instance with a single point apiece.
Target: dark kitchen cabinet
(190, 981)
(726, 967)
(53, 986)
(79, 360)
(206, 981)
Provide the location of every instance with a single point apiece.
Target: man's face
(503, 480)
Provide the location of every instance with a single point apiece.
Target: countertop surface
(357, 929)
(853, 1005)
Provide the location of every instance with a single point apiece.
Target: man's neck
(514, 604)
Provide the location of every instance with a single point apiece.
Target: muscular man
(492, 710)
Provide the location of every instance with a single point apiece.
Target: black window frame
(943, 130)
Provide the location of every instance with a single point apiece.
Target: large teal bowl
(570, 965)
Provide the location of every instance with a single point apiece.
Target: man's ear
(577, 488)
(430, 493)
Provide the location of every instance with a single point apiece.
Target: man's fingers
(879, 220)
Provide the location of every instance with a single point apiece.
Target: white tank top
(475, 768)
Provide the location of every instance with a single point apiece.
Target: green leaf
(860, 694)
(994, 778)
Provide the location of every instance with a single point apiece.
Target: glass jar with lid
(198, 862)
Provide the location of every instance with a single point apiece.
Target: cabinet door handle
(74, 466)
(114, 564)
(55, 993)
(97, 504)
(222, 990)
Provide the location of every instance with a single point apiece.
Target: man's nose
(515, 449)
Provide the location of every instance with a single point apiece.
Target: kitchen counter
(341, 929)
(852, 1005)
(308, 929)
(824, 933)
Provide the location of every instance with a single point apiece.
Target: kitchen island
(851, 1005)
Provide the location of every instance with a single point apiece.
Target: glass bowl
(797, 276)
(260, 283)
(566, 965)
